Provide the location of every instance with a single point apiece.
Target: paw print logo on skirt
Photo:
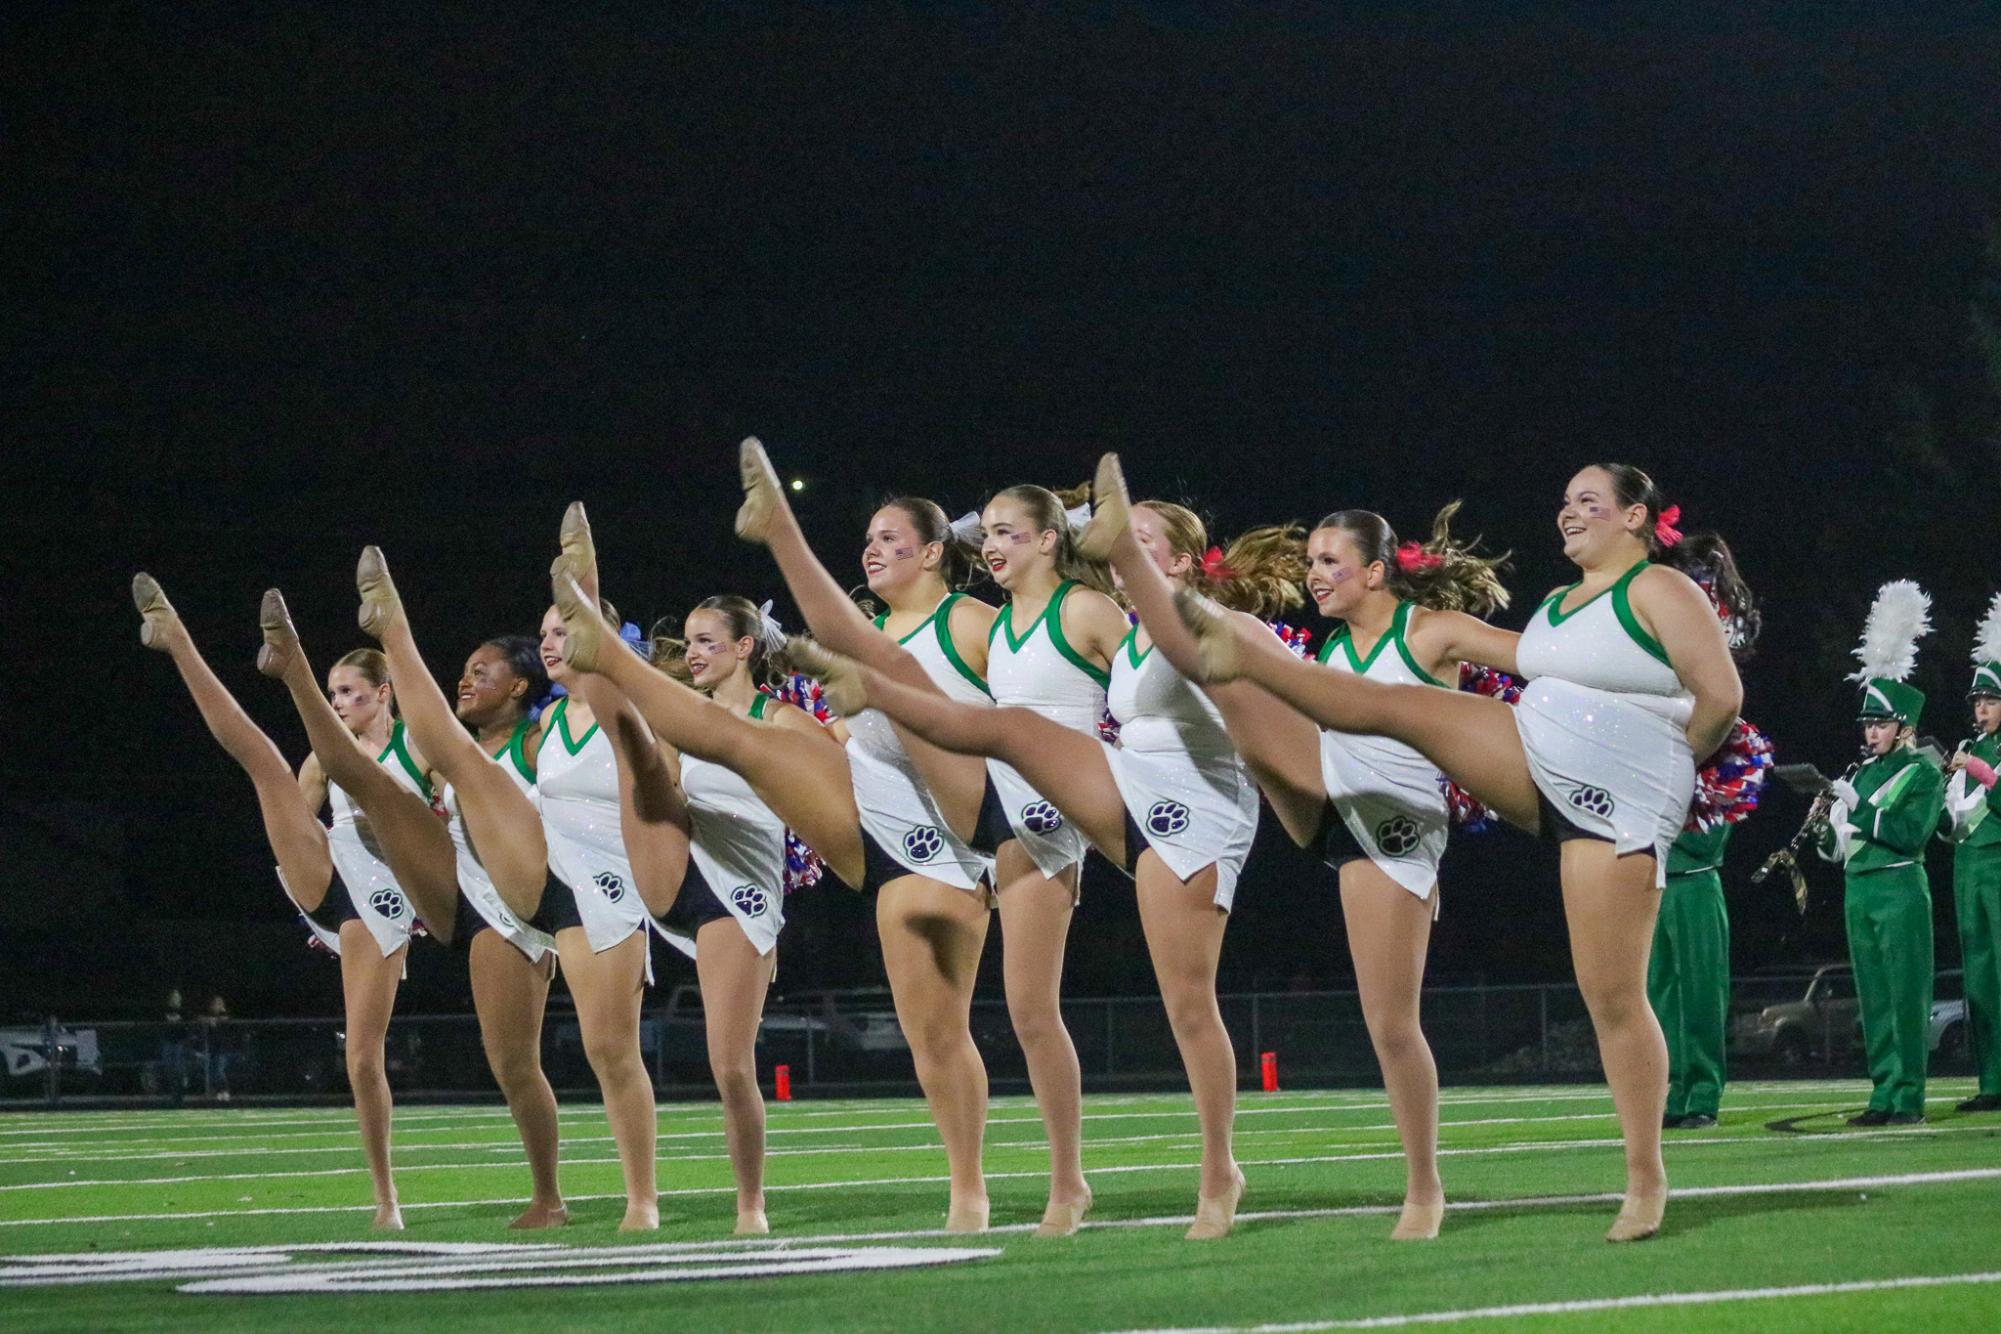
(1167, 818)
(923, 843)
(1596, 800)
(750, 900)
(1039, 817)
(609, 885)
(1397, 836)
(389, 903)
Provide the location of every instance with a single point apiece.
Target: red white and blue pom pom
(1108, 727)
(1477, 679)
(803, 867)
(803, 692)
(1295, 637)
(1727, 788)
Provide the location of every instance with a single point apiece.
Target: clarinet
(1787, 858)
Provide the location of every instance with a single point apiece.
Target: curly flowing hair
(1260, 571)
(1441, 572)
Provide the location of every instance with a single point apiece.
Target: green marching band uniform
(1880, 837)
(1688, 976)
(1973, 824)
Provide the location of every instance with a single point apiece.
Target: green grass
(1325, 1176)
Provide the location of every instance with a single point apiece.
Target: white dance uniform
(1184, 785)
(475, 886)
(738, 847)
(895, 808)
(1041, 672)
(363, 872)
(1389, 796)
(577, 779)
(1603, 722)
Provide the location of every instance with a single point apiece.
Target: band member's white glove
(1845, 794)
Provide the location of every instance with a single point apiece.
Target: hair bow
(1665, 531)
(769, 631)
(967, 529)
(1412, 558)
(1077, 516)
(1213, 568)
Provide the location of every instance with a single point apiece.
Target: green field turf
(1773, 1206)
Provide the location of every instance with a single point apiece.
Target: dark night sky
(281, 283)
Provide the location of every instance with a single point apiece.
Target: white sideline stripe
(1543, 1146)
(66, 1154)
(1583, 1305)
(1954, 1177)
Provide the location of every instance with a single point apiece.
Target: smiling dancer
(1172, 804)
(501, 822)
(1373, 807)
(336, 877)
(1631, 682)
(510, 961)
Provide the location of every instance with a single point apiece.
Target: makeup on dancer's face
(1590, 511)
(712, 655)
(894, 552)
(1011, 546)
(354, 697)
(1336, 578)
(486, 683)
(554, 636)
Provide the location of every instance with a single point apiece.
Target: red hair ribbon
(1665, 531)
(1411, 558)
(1213, 568)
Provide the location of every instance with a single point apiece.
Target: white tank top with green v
(1040, 671)
(1387, 793)
(890, 797)
(1602, 721)
(371, 886)
(474, 882)
(738, 845)
(576, 784)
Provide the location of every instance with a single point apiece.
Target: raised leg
(1609, 902)
(804, 779)
(509, 994)
(500, 820)
(608, 986)
(1389, 930)
(653, 812)
(1067, 767)
(932, 935)
(1035, 916)
(1470, 737)
(734, 980)
(368, 981)
(1184, 935)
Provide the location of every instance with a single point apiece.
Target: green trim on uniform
(1397, 628)
(941, 617)
(1622, 604)
(1131, 645)
(562, 713)
(399, 747)
(1053, 614)
(757, 703)
(516, 748)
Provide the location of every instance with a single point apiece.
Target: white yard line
(1592, 1304)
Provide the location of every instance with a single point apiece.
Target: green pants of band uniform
(1688, 983)
(1890, 941)
(1976, 892)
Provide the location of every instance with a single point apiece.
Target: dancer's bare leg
(1035, 914)
(932, 935)
(368, 981)
(413, 840)
(1609, 902)
(298, 840)
(652, 810)
(500, 820)
(608, 986)
(1389, 929)
(956, 782)
(1067, 767)
(1184, 935)
(509, 994)
(803, 778)
(734, 980)
(1470, 737)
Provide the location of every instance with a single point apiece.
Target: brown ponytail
(1259, 572)
(1440, 572)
